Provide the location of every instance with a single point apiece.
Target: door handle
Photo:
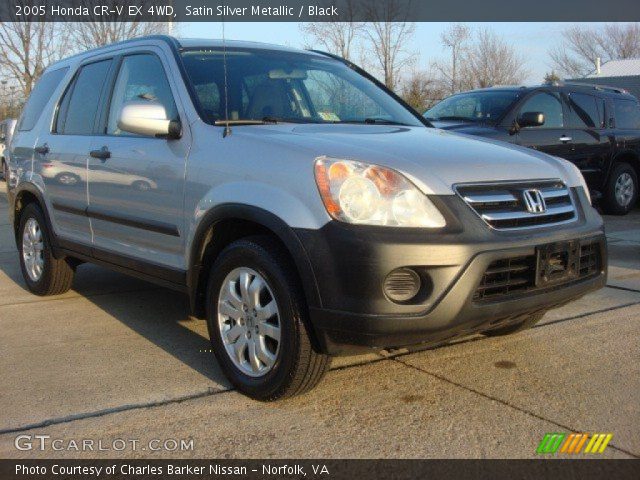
(42, 149)
(565, 139)
(102, 154)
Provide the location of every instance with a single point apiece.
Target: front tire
(621, 191)
(256, 316)
(43, 273)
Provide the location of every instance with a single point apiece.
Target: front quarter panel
(242, 169)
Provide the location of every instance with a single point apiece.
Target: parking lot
(117, 358)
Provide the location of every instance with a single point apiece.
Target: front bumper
(350, 264)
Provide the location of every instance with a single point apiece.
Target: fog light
(402, 285)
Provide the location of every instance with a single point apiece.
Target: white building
(623, 74)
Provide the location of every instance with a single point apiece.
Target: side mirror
(146, 118)
(531, 119)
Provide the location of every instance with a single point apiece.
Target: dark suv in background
(597, 128)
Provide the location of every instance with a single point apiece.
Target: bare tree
(388, 39)
(27, 47)
(338, 38)
(86, 35)
(577, 53)
(455, 39)
(551, 77)
(421, 90)
(489, 61)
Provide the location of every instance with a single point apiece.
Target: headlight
(356, 192)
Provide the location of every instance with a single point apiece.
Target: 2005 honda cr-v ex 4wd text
(304, 208)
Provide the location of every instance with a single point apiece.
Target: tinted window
(627, 114)
(141, 79)
(77, 111)
(550, 105)
(39, 97)
(585, 111)
(474, 106)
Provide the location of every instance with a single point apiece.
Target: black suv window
(142, 79)
(547, 103)
(39, 97)
(78, 108)
(627, 114)
(585, 111)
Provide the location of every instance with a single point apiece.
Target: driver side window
(548, 104)
(142, 79)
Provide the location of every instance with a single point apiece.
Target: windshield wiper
(374, 121)
(263, 121)
(454, 117)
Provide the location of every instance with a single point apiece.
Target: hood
(433, 159)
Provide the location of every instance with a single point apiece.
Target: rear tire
(43, 273)
(291, 365)
(525, 324)
(621, 191)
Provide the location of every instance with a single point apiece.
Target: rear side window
(77, 111)
(627, 114)
(584, 111)
(39, 97)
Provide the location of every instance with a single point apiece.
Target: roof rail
(594, 86)
(172, 41)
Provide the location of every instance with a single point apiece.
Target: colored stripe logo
(573, 443)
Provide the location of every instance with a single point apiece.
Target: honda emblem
(534, 201)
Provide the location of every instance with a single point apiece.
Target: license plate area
(557, 263)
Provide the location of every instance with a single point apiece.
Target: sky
(532, 40)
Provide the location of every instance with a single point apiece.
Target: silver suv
(304, 208)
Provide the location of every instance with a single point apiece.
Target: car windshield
(267, 86)
(486, 106)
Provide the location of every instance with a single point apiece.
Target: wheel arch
(628, 156)
(226, 223)
(28, 193)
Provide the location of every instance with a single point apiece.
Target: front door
(136, 182)
(552, 136)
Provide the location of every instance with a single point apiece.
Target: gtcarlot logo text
(46, 442)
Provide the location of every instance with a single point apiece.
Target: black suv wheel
(256, 316)
(621, 191)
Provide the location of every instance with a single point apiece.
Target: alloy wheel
(249, 321)
(32, 249)
(624, 189)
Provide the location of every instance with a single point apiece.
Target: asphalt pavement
(120, 359)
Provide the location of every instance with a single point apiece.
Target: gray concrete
(120, 358)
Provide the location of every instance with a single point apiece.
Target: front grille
(590, 259)
(510, 277)
(507, 276)
(503, 205)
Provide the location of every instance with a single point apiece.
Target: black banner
(320, 469)
(319, 10)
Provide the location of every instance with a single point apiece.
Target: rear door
(137, 191)
(591, 146)
(62, 151)
(551, 137)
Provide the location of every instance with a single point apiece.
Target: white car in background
(71, 174)
(6, 132)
